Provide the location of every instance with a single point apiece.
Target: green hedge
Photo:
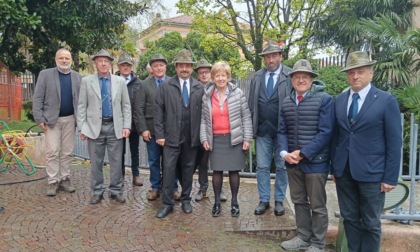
(334, 80)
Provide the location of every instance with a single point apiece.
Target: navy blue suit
(364, 155)
(372, 145)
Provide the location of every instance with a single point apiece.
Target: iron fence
(80, 150)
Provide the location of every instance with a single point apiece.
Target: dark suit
(143, 114)
(364, 155)
(181, 146)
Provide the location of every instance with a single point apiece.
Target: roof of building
(183, 19)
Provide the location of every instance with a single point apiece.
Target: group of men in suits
(364, 148)
(358, 135)
(357, 139)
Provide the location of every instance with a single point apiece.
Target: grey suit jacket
(143, 111)
(47, 96)
(89, 116)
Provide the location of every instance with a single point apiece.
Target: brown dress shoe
(177, 196)
(137, 181)
(153, 195)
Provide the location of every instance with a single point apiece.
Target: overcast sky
(170, 5)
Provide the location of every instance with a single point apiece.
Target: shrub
(334, 80)
(409, 99)
(27, 107)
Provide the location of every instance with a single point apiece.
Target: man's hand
(161, 142)
(126, 133)
(297, 154)
(83, 137)
(245, 145)
(206, 145)
(292, 158)
(386, 188)
(146, 135)
(43, 126)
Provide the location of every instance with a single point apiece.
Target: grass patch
(23, 125)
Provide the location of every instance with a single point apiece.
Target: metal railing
(80, 150)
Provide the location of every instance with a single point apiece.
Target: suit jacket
(89, 117)
(47, 96)
(168, 111)
(372, 144)
(144, 106)
(283, 88)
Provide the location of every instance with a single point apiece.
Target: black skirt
(224, 156)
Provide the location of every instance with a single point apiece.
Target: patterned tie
(353, 110)
(159, 82)
(106, 112)
(300, 98)
(185, 94)
(270, 84)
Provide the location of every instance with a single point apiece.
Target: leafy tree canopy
(208, 47)
(34, 29)
(290, 21)
(340, 25)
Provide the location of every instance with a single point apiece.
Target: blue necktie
(159, 82)
(354, 107)
(106, 112)
(270, 84)
(185, 94)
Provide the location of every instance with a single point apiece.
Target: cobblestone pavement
(67, 222)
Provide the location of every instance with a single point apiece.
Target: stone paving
(34, 222)
(67, 222)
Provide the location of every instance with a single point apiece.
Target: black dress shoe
(234, 211)
(186, 207)
(96, 199)
(216, 210)
(118, 197)
(261, 208)
(164, 211)
(279, 209)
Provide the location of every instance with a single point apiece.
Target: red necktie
(300, 98)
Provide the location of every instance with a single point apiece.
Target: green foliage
(291, 61)
(334, 80)
(340, 24)
(396, 51)
(16, 13)
(207, 47)
(289, 21)
(27, 108)
(41, 27)
(409, 99)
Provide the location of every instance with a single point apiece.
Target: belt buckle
(106, 120)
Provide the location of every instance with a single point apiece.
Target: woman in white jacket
(226, 130)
